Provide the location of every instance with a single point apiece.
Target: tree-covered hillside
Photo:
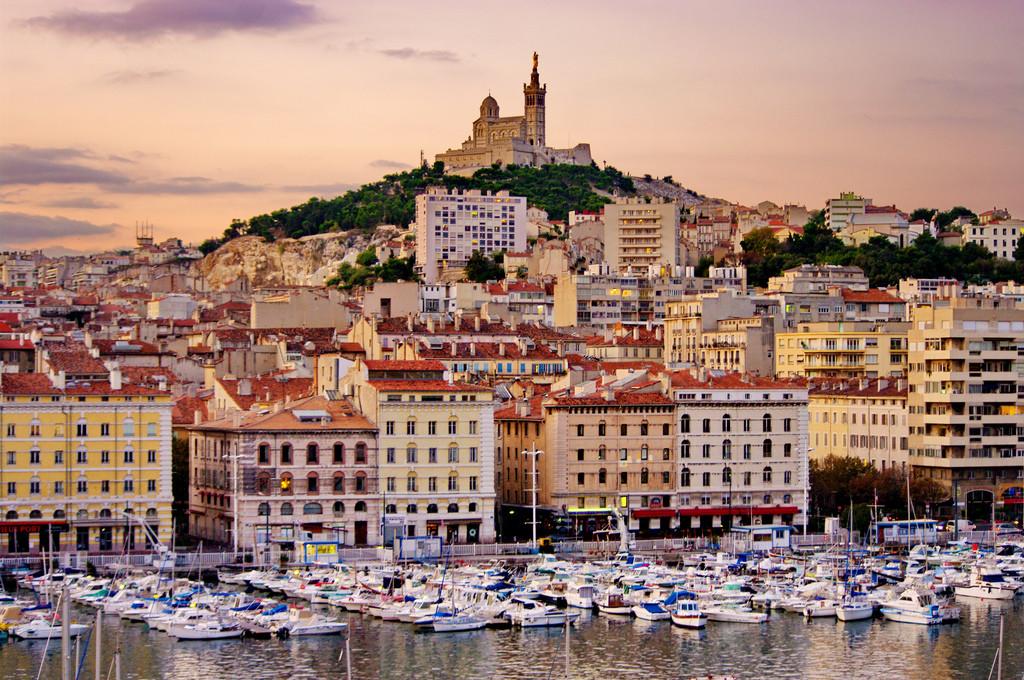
(392, 200)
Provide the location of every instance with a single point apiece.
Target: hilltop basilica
(512, 140)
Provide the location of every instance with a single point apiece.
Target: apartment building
(818, 278)
(965, 407)
(640, 234)
(306, 472)
(862, 418)
(76, 456)
(451, 226)
(436, 441)
(726, 317)
(852, 349)
(518, 426)
(742, 450)
(838, 211)
(999, 237)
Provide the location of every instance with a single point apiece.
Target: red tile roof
(267, 389)
(184, 410)
(872, 295)
(20, 343)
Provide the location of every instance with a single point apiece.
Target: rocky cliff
(308, 261)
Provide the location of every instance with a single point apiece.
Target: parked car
(965, 525)
(1007, 529)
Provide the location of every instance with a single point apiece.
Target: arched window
(727, 449)
(151, 513)
(312, 454)
(312, 483)
(81, 514)
(263, 510)
(472, 507)
(767, 448)
(726, 423)
(644, 452)
(360, 482)
(339, 482)
(684, 477)
(787, 498)
(105, 513)
(766, 422)
(312, 509)
(35, 514)
(684, 448)
(263, 483)
(602, 452)
(338, 508)
(411, 509)
(286, 483)
(361, 506)
(432, 509)
(766, 474)
(360, 453)
(287, 509)
(645, 476)
(684, 423)
(602, 476)
(58, 514)
(150, 429)
(391, 509)
(453, 507)
(767, 499)
(727, 475)
(338, 453)
(11, 514)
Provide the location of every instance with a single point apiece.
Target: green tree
(480, 268)
(367, 258)
(704, 265)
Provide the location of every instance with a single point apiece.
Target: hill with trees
(883, 262)
(392, 200)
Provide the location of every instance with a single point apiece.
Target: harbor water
(601, 647)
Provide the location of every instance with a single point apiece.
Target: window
(684, 423)
(684, 449)
(105, 486)
(338, 508)
(410, 427)
(82, 430)
(644, 452)
(602, 429)
(432, 455)
(453, 454)
(645, 476)
(727, 475)
(665, 430)
(287, 509)
(312, 483)
(684, 477)
(665, 477)
(286, 484)
(338, 453)
(602, 476)
(453, 507)
(746, 478)
(705, 451)
(151, 456)
(151, 429)
(263, 510)
(391, 484)
(360, 453)
(746, 424)
(453, 482)
(643, 429)
(624, 430)
(432, 484)
(129, 456)
(58, 488)
(10, 430)
(706, 425)
(727, 449)
(766, 474)
(472, 483)
(151, 486)
(129, 427)
(623, 454)
(83, 486)
(339, 482)
(312, 509)
(389, 427)
(58, 457)
(766, 448)
(312, 454)
(410, 483)
(472, 427)
(432, 427)
(787, 450)
(33, 486)
(263, 454)
(453, 426)
(104, 456)
(726, 423)
(263, 483)
(390, 455)
(104, 429)
(472, 454)
(787, 477)
(705, 479)
(129, 486)
(410, 454)
(33, 457)
(746, 451)
(286, 454)
(787, 424)
(623, 478)
(766, 422)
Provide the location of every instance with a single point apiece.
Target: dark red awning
(15, 526)
(653, 512)
(739, 510)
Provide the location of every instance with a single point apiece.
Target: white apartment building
(450, 226)
(998, 237)
(838, 211)
(640, 235)
(742, 444)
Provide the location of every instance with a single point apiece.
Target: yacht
(206, 630)
(531, 614)
(729, 614)
(612, 602)
(459, 623)
(651, 611)
(307, 622)
(854, 610)
(987, 583)
(43, 629)
(913, 606)
(580, 595)
(687, 614)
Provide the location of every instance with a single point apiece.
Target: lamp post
(533, 491)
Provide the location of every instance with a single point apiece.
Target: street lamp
(533, 491)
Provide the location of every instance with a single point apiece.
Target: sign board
(418, 548)
(319, 552)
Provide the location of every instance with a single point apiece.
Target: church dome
(489, 107)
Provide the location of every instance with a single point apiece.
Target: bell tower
(534, 95)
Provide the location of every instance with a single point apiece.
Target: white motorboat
(611, 602)
(458, 623)
(306, 622)
(820, 609)
(913, 606)
(41, 629)
(854, 610)
(687, 614)
(531, 614)
(206, 630)
(987, 583)
(651, 611)
(580, 595)
(726, 614)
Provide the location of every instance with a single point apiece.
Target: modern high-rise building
(641, 235)
(965, 407)
(838, 211)
(451, 226)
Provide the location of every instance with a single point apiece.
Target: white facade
(999, 238)
(451, 226)
(839, 210)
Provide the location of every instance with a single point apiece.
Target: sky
(188, 113)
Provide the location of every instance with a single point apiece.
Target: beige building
(965, 408)
(739, 345)
(299, 308)
(999, 237)
(851, 349)
(839, 211)
(865, 419)
(818, 278)
(305, 472)
(737, 327)
(640, 235)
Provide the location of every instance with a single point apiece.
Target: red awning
(739, 510)
(653, 512)
(14, 526)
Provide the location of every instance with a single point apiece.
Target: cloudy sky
(187, 113)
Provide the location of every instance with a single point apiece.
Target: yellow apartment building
(848, 349)
(76, 456)
(865, 419)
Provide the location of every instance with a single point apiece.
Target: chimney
(209, 376)
(430, 324)
(408, 322)
(501, 349)
(476, 324)
(472, 349)
(658, 332)
(636, 332)
(197, 417)
(245, 387)
(115, 377)
(523, 408)
(455, 349)
(236, 419)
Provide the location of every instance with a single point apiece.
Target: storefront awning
(739, 510)
(15, 526)
(653, 512)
